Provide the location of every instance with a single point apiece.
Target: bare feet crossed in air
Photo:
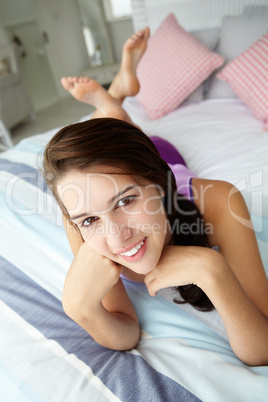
(125, 82)
(108, 103)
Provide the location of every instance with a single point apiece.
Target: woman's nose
(117, 233)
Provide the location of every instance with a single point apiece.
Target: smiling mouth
(133, 251)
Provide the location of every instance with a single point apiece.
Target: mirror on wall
(93, 24)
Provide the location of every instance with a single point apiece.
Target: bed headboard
(192, 14)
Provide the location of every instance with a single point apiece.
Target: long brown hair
(118, 144)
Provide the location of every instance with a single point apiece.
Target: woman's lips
(135, 252)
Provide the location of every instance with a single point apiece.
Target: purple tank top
(177, 164)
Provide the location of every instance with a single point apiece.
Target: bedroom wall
(51, 33)
(18, 19)
(65, 46)
(192, 14)
(119, 31)
(52, 43)
(60, 20)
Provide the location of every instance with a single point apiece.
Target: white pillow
(237, 35)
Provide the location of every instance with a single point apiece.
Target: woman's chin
(140, 270)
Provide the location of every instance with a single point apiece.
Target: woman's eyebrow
(121, 193)
(73, 218)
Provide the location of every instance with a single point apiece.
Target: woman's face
(118, 218)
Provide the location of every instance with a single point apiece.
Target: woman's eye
(125, 201)
(87, 222)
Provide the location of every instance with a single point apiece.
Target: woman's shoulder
(212, 193)
(215, 197)
(222, 206)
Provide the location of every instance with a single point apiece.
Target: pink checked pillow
(248, 78)
(172, 67)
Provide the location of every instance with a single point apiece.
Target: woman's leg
(108, 103)
(126, 82)
(89, 91)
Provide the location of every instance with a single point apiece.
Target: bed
(183, 354)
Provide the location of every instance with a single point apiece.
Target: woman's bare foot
(89, 91)
(126, 83)
(81, 88)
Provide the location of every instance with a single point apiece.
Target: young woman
(127, 214)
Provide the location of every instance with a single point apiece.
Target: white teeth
(134, 250)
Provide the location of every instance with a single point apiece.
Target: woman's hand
(246, 326)
(95, 298)
(90, 277)
(178, 266)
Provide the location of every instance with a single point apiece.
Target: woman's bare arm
(246, 326)
(244, 310)
(223, 206)
(95, 297)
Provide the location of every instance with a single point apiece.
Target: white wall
(66, 48)
(192, 14)
(13, 11)
(31, 60)
(120, 31)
